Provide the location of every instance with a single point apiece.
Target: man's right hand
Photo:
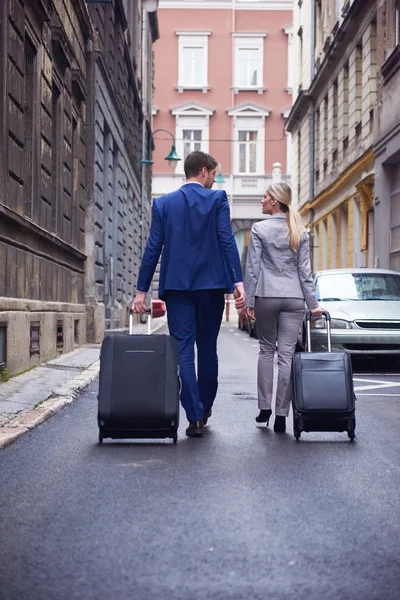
(138, 305)
(240, 296)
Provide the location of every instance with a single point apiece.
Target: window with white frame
(193, 61)
(249, 138)
(249, 62)
(247, 151)
(191, 130)
(191, 140)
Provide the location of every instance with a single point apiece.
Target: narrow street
(243, 513)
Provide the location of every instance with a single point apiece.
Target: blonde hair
(282, 193)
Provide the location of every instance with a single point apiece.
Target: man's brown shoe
(195, 429)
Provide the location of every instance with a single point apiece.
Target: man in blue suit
(200, 263)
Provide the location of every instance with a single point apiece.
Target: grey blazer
(273, 270)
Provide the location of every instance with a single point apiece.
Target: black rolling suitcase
(322, 389)
(139, 386)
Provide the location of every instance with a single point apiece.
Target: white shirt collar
(190, 182)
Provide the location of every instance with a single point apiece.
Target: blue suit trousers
(194, 317)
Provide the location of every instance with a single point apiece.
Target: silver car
(364, 305)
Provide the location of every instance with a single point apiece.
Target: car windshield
(358, 286)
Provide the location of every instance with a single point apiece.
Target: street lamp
(220, 179)
(172, 157)
(150, 5)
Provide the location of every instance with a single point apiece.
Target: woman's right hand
(251, 313)
(317, 311)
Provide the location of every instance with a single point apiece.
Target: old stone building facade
(43, 182)
(74, 211)
(332, 125)
(387, 136)
(121, 200)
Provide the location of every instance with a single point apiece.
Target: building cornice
(226, 4)
(249, 35)
(298, 111)
(249, 110)
(360, 163)
(192, 33)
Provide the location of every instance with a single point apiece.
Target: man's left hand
(138, 305)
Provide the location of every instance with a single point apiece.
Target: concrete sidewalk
(31, 398)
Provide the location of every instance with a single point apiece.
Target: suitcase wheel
(297, 428)
(175, 438)
(351, 430)
(100, 438)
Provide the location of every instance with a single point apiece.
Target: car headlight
(335, 324)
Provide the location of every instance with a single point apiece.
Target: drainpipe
(312, 135)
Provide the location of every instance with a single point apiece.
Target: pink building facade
(223, 85)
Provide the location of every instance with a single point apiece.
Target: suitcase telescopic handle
(148, 311)
(327, 317)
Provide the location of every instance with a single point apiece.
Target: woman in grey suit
(278, 280)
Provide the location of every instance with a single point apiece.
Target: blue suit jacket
(192, 228)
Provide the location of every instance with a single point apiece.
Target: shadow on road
(381, 364)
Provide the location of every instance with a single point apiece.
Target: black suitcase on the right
(323, 396)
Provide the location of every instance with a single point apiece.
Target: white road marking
(389, 395)
(382, 386)
(368, 380)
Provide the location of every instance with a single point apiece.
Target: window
(359, 66)
(249, 67)
(29, 85)
(247, 151)
(191, 130)
(76, 329)
(335, 114)
(249, 138)
(60, 335)
(249, 52)
(289, 33)
(346, 100)
(397, 25)
(193, 61)
(317, 137)
(34, 347)
(326, 125)
(3, 345)
(191, 141)
(55, 155)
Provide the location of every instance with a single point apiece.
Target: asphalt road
(243, 513)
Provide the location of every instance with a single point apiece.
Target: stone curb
(28, 419)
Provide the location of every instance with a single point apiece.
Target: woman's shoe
(280, 424)
(264, 416)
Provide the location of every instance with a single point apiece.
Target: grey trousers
(277, 319)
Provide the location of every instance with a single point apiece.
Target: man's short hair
(196, 161)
